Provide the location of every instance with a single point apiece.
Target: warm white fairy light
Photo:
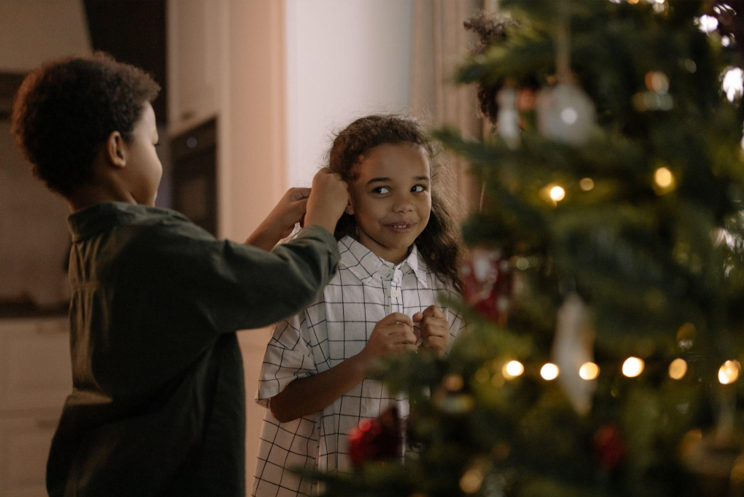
(633, 367)
(589, 371)
(707, 24)
(678, 369)
(549, 371)
(663, 177)
(729, 372)
(586, 184)
(512, 369)
(471, 481)
(557, 193)
(733, 83)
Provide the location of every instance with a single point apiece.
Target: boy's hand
(393, 334)
(433, 328)
(281, 220)
(328, 199)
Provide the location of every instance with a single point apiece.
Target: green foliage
(661, 267)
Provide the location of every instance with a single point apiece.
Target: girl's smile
(391, 198)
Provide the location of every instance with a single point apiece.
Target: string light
(586, 184)
(678, 369)
(471, 481)
(729, 372)
(513, 369)
(657, 81)
(589, 371)
(453, 382)
(549, 371)
(663, 177)
(557, 193)
(633, 367)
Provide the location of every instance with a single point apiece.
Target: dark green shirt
(158, 406)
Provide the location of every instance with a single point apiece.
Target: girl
(399, 249)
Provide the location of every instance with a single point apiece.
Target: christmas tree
(606, 278)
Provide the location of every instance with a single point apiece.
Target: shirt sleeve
(175, 290)
(288, 356)
(230, 286)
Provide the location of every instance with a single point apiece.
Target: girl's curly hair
(440, 243)
(490, 29)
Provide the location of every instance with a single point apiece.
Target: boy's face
(144, 170)
(391, 198)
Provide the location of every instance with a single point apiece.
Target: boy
(158, 406)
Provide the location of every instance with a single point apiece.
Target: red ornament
(487, 283)
(609, 447)
(376, 439)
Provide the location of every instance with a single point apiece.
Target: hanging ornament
(507, 120)
(609, 447)
(376, 439)
(487, 283)
(564, 112)
(573, 348)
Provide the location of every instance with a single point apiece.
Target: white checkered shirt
(331, 330)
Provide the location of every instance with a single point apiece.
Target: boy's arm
(282, 219)
(303, 396)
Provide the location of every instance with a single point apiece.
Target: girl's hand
(282, 219)
(433, 328)
(393, 334)
(328, 199)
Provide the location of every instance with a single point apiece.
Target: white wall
(345, 59)
(32, 31)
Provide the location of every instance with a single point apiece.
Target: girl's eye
(418, 189)
(381, 189)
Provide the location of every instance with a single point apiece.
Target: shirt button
(395, 292)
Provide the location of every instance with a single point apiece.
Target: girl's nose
(403, 204)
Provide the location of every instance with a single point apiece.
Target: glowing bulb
(729, 372)
(589, 371)
(707, 23)
(633, 367)
(549, 371)
(733, 83)
(633, 2)
(663, 177)
(586, 184)
(557, 193)
(569, 115)
(678, 369)
(513, 369)
(453, 382)
(471, 481)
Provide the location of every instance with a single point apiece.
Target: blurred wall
(344, 59)
(32, 31)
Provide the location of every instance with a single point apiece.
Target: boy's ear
(115, 151)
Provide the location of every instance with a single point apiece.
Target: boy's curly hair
(67, 108)
(490, 29)
(440, 243)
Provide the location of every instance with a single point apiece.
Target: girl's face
(391, 198)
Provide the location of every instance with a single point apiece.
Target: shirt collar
(365, 264)
(104, 216)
